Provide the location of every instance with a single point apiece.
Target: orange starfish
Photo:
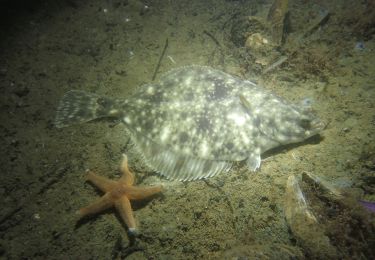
(118, 194)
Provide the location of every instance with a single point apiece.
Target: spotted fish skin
(196, 121)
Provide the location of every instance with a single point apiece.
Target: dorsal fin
(177, 166)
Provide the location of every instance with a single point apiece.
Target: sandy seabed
(113, 47)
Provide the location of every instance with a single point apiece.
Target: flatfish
(196, 121)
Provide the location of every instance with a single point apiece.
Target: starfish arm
(100, 182)
(139, 193)
(101, 204)
(127, 176)
(124, 208)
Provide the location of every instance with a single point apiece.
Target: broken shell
(303, 224)
(295, 202)
(327, 222)
(327, 188)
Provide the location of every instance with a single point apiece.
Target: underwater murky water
(313, 54)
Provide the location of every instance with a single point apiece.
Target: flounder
(196, 121)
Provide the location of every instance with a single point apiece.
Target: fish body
(196, 121)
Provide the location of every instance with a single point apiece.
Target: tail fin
(79, 106)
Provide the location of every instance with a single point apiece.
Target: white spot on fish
(150, 90)
(165, 132)
(238, 119)
(188, 81)
(245, 138)
(127, 120)
(204, 149)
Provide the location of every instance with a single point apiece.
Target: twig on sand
(160, 59)
(274, 65)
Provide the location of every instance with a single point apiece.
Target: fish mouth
(316, 126)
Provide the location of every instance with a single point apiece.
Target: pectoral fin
(253, 161)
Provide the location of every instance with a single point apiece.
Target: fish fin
(177, 166)
(79, 106)
(253, 161)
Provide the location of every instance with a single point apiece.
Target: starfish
(118, 194)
